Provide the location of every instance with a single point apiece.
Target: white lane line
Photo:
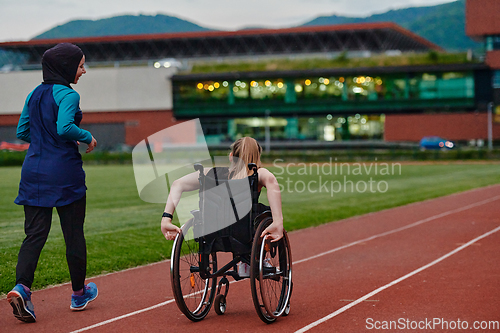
(390, 284)
(133, 313)
(123, 316)
(312, 257)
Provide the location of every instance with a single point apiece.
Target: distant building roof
(373, 37)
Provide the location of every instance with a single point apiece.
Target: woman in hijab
(52, 176)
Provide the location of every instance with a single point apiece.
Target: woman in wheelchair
(256, 241)
(243, 151)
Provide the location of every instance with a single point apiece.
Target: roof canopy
(373, 37)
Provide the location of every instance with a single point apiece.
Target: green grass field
(122, 231)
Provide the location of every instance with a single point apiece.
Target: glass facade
(332, 88)
(317, 108)
(496, 79)
(492, 42)
(318, 128)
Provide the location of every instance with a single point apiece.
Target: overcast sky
(25, 19)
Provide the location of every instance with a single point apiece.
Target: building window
(267, 89)
(202, 91)
(318, 94)
(319, 88)
(327, 127)
(496, 79)
(492, 43)
(443, 85)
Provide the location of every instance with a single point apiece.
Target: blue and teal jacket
(52, 173)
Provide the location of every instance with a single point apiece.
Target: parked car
(435, 142)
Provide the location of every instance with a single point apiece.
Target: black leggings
(37, 226)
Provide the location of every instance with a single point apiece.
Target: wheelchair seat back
(226, 207)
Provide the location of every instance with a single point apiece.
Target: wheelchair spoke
(193, 294)
(270, 275)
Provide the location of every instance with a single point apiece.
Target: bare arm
(184, 184)
(269, 181)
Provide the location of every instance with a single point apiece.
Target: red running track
(428, 266)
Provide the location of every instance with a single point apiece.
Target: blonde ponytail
(245, 150)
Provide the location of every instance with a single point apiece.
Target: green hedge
(380, 155)
(8, 158)
(342, 61)
(11, 158)
(16, 158)
(103, 157)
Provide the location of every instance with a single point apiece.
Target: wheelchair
(195, 268)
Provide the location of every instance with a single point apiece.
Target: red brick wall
(481, 17)
(138, 124)
(493, 58)
(459, 126)
(9, 119)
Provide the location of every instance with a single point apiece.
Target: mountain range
(443, 25)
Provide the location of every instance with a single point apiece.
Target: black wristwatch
(167, 215)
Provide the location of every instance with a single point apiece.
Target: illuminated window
(267, 89)
(319, 87)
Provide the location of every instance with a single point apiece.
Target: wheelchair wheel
(287, 310)
(220, 304)
(193, 294)
(270, 274)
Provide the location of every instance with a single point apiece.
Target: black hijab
(60, 64)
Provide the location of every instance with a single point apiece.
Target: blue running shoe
(21, 304)
(79, 303)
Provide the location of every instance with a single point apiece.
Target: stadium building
(482, 24)
(138, 85)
